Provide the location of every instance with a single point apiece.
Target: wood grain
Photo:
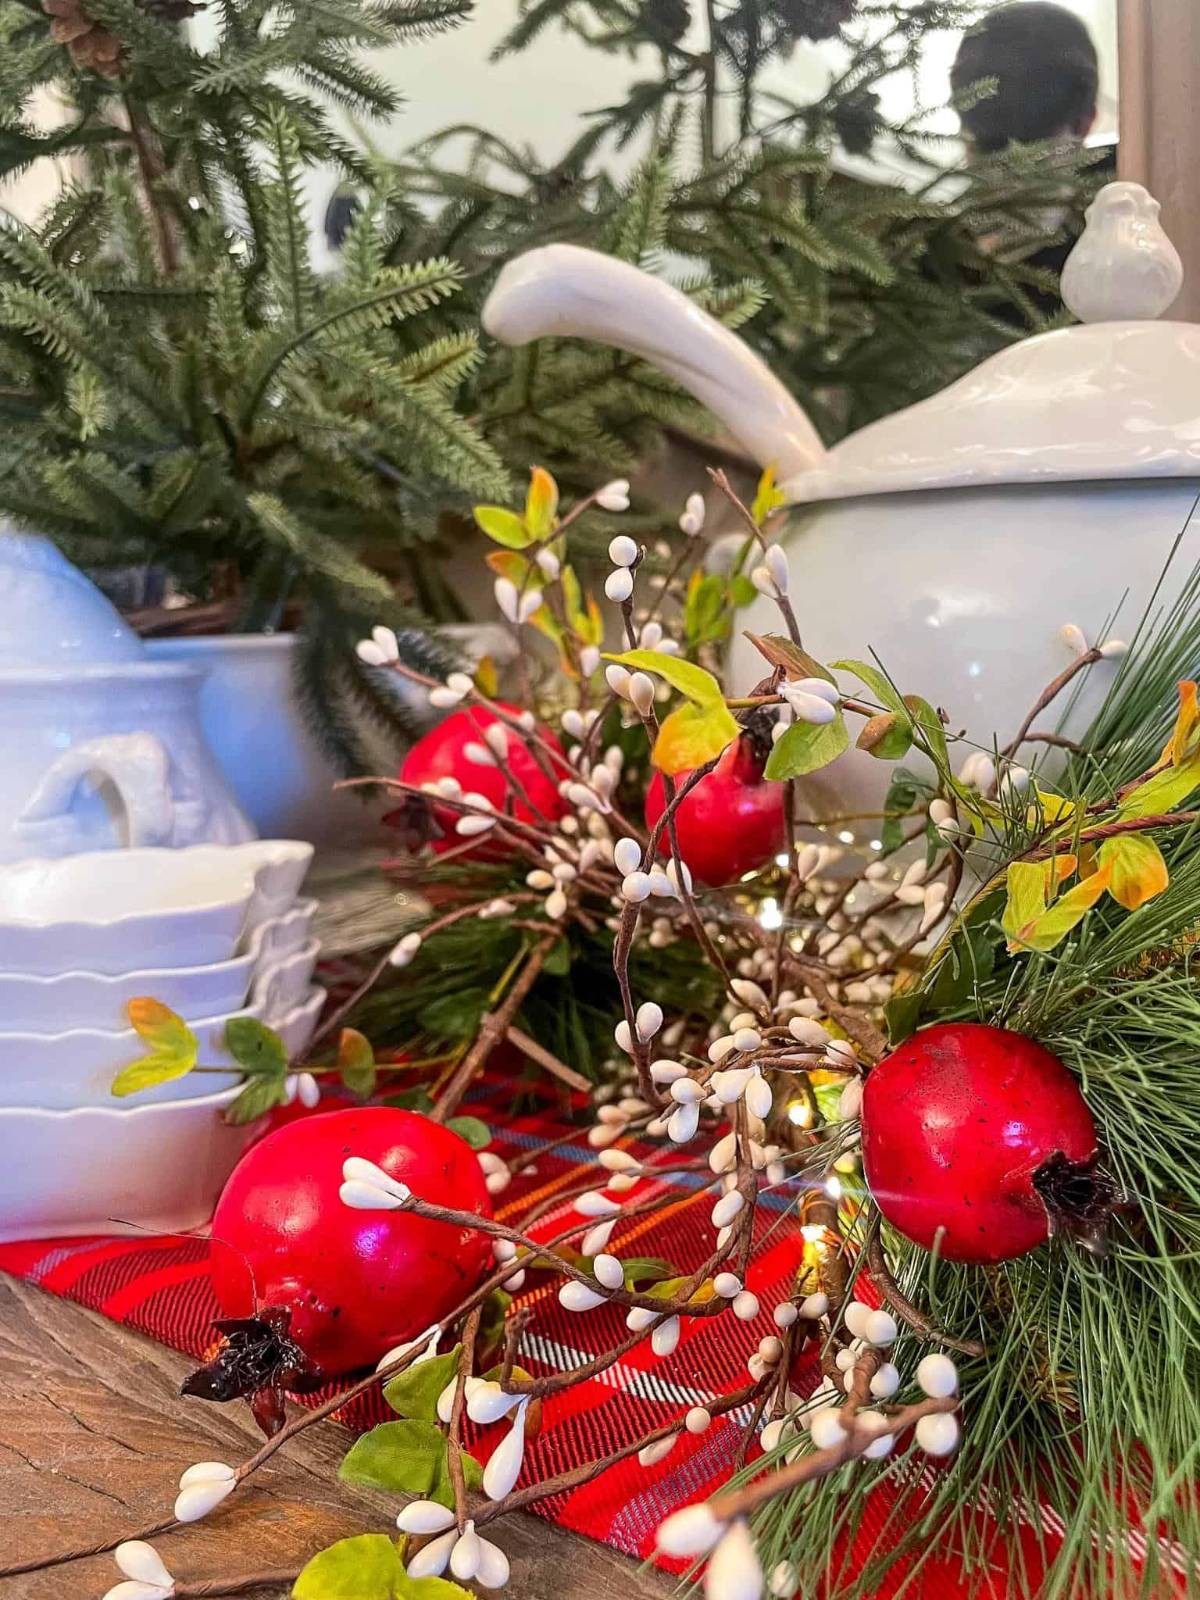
(93, 1437)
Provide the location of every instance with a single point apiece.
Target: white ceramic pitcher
(953, 539)
(102, 747)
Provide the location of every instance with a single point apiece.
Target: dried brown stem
(454, 1464)
(908, 1313)
(1051, 692)
(492, 1028)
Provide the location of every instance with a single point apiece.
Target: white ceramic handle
(138, 767)
(562, 290)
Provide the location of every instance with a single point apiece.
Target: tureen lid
(53, 615)
(1117, 396)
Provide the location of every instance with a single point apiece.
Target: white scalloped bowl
(33, 1004)
(67, 1071)
(111, 911)
(155, 1168)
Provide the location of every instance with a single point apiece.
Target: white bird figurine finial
(1124, 268)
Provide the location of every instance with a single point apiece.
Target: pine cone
(91, 47)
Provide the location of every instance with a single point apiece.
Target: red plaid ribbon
(160, 1287)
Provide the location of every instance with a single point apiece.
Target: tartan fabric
(160, 1287)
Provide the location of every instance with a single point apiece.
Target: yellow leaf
(172, 1053)
(508, 564)
(1137, 867)
(1053, 925)
(505, 527)
(1184, 742)
(1163, 792)
(541, 504)
(692, 735)
(1053, 808)
(767, 497)
(487, 680)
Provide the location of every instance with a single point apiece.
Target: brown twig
(454, 1464)
(492, 1028)
(908, 1313)
(1050, 693)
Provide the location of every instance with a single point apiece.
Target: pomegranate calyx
(1079, 1196)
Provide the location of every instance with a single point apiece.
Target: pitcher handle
(139, 769)
(564, 290)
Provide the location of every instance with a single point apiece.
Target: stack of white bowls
(212, 931)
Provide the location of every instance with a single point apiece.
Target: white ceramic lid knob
(1124, 268)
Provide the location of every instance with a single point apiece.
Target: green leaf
(356, 1062)
(366, 1567)
(403, 1456)
(807, 747)
(898, 802)
(258, 1097)
(887, 737)
(927, 719)
(173, 1048)
(699, 686)
(558, 963)
(415, 1099)
(505, 527)
(878, 683)
(414, 1392)
(902, 1013)
(256, 1048)
(442, 1490)
(476, 1133)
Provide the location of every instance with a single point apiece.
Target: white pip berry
(405, 950)
(733, 1571)
(618, 586)
(623, 551)
(201, 1488)
(690, 1532)
(367, 1187)
(145, 1570)
(937, 1435)
(937, 1376)
(614, 496)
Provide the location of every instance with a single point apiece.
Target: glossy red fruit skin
(956, 1122)
(356, 1282)
(439, 754)
(733, 820)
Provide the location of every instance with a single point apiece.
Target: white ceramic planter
(155, 1168)
(254, 724)
(65, 1071)
(33, 1004)
(115, 911)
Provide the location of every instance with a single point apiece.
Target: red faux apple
(978, 1140)
(355, 1282)
(441, 753)
(732, 821)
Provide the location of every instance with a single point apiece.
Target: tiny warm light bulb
(799, 1112)
(833, 1188)
(770, 916)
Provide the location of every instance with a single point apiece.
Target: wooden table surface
(93, 1437)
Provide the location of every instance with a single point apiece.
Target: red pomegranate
(732, 821)
(356, 1282)
(978, 1139)
(441, 753)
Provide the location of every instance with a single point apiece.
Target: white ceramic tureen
(954, 539)
(102, 747)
